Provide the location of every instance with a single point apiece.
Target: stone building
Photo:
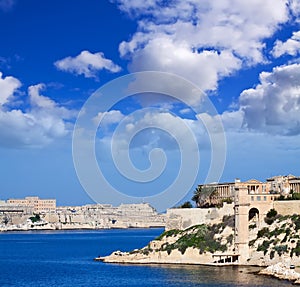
(259, 191)
(295, 184)
(38, 205)
(280, 184)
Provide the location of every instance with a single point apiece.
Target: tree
(197, 194)
(5, 220)
(205, 196)
(187, 204)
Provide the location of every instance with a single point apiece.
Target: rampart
(287, 207)
(181, 218)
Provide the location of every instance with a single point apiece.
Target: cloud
(8, 85)
(152, 128)
(42, 122)
(203, 68)
(289, 47)
(295, 8)
(108, 118)
(273, 106)
(202, 41)
(87, 64)
(6, 5)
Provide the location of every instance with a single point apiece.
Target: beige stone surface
(182, 218)
(191, 256)
(287, 207)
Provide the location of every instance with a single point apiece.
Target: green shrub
(35, 218)
(296, 196)
(251, 242)
(263, 232)
(296, 250)
(272, 213)
(264, 246)
(280, 249)
(296, 221)
(276, 232)
(187, 204)
(200, 237)
(172, 232)
(269, 221)
(287, 233)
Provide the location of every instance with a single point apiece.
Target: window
(252, 198)
(265, 198)
(258, 198)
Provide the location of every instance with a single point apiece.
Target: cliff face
(276, 241)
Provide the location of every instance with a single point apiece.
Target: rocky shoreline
(275, 246)
(282, 271)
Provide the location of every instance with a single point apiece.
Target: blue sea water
(60, 258)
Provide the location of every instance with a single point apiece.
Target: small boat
(292, 266)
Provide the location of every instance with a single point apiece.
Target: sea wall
(182, 218)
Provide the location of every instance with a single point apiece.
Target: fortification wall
(182, 218)
(287, 207)
(90, 216)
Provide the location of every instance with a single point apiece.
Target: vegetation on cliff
(282, 237)
(35, 218)
(205, 238)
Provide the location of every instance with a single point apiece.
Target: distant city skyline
(55, 54)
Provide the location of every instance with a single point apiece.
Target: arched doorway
(253, 215)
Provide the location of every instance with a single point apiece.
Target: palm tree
(204, 196)
(197, 195)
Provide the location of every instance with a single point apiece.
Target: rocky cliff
(194, 245)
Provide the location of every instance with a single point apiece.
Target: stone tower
(241, 210)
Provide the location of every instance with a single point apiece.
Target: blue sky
(55, 54)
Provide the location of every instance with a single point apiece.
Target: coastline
(280, 271)
(80, 228)
(213, 245)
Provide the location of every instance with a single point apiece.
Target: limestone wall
(287, 207)
(182, 218)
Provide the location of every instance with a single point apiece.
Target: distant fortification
(93, 216)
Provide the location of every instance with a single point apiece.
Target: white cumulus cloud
(290, 47)
(202, 41)
(87, 64)
(273, 106)
(8, 85)
(43, 120)
(203, 68)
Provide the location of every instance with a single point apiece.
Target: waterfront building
(38, 205)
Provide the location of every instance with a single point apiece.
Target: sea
(65, 258)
